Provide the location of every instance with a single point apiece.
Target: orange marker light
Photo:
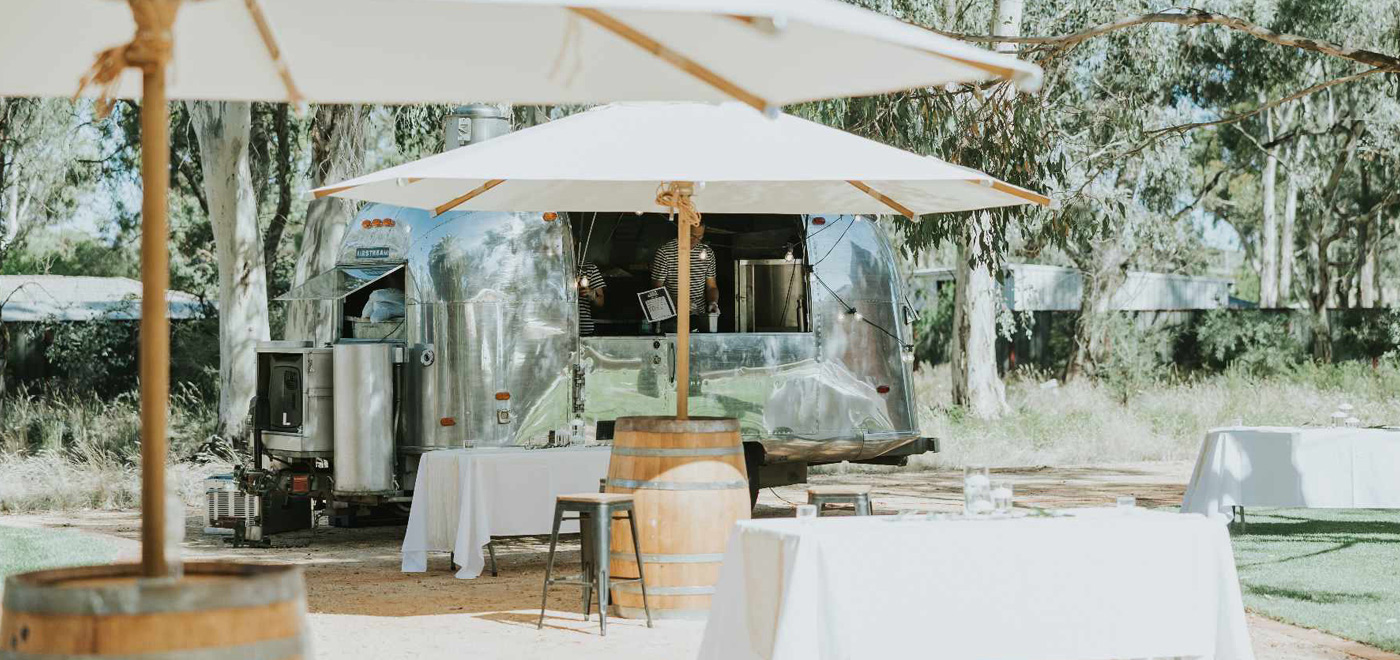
(388, 222)
(883, 389)
(378, 222)
(365, 224)
(503, 396)
(448, 421)
(550, 216)
(819, 220)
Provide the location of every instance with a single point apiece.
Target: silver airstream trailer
(461, 330)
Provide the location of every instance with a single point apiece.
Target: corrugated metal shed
(1037, 288)
(33, 298)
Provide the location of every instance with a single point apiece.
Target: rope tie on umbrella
(150, 48)
(153, 43)
(677, 195)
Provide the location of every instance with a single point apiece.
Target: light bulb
(583, 281)
(857, 315)
(788, 257)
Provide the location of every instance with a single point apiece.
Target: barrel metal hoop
(260, 586)
(662, 424)
(271, 649)
(678, 451)
(635, 588)
(705, 558)
(639, 613)
(678, 485)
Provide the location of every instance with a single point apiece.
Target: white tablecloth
(1101, 584)
(1344, 468)
(463, 497)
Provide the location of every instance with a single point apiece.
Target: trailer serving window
(760, 268)
(363, 294)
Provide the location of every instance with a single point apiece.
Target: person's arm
(711, 284)
(658, 268)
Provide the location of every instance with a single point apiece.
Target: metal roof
(30, 298)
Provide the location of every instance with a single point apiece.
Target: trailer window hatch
(339, 282)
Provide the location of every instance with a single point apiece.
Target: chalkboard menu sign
(656, 304)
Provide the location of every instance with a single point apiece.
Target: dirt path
(363, 606)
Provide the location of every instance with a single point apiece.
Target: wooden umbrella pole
(155, 327)
(677, 195)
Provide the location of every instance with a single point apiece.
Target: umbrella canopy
(762, 52)
(656, 156)
(614, 157)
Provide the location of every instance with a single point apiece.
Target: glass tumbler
(1001, 496)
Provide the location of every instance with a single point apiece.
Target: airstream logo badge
(372, 253)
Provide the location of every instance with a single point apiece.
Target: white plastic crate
(224, 500)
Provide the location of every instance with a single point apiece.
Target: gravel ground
(362, 606)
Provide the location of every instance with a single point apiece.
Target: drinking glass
(1001, 496)
(1127, 502)
(977, 491)
(806, 512)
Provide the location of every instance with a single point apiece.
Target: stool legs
(602, 533)
(549, 564)
(585, 528)
(491, 550)
(641, 570)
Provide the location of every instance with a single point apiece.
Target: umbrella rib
(627, 32)
(467, 197)
(899, 208)
(327, 192)
(270, 41)
(1017, 191)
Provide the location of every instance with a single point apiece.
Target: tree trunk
(223, 130)
(1320, 298)
(1268, 263)
(273, 240)
(1366, 284)
(976, 296)
(1286, 241)
(976, 383)
(337, 154)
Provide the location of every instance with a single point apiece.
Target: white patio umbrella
(688, 158)
(762, 52)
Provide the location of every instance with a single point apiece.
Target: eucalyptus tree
(337, 153)
(223, 130)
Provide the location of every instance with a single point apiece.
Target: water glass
(1001, 496)
(977, 491)
(1127, 502)
(806, 512)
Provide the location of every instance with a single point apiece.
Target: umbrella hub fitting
(678, 196)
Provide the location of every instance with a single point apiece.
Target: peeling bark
(223, 131)
(337, 154)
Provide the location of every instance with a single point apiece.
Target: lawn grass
(23, 549)
(1334, 570)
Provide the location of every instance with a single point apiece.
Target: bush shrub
(1259, 342)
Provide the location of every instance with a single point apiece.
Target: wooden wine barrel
(690, 486)
(217, 610)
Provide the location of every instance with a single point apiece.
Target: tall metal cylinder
(364, 418)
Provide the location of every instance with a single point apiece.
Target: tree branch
(1190, 17)
(1153, 135)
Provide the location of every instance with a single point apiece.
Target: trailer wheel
(753, 464)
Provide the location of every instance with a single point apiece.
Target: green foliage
(24, 549)
(933, 329)
(1256, 342)
(95, 356)
(1137, 358)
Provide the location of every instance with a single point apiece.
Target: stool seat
(837, 489)
(597, 498)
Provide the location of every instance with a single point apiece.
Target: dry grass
(1084, 422)
(64, 451)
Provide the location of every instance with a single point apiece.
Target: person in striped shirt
(704, 292)
(590, 293)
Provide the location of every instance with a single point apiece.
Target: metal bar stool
(595, 514)
(857, 496)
